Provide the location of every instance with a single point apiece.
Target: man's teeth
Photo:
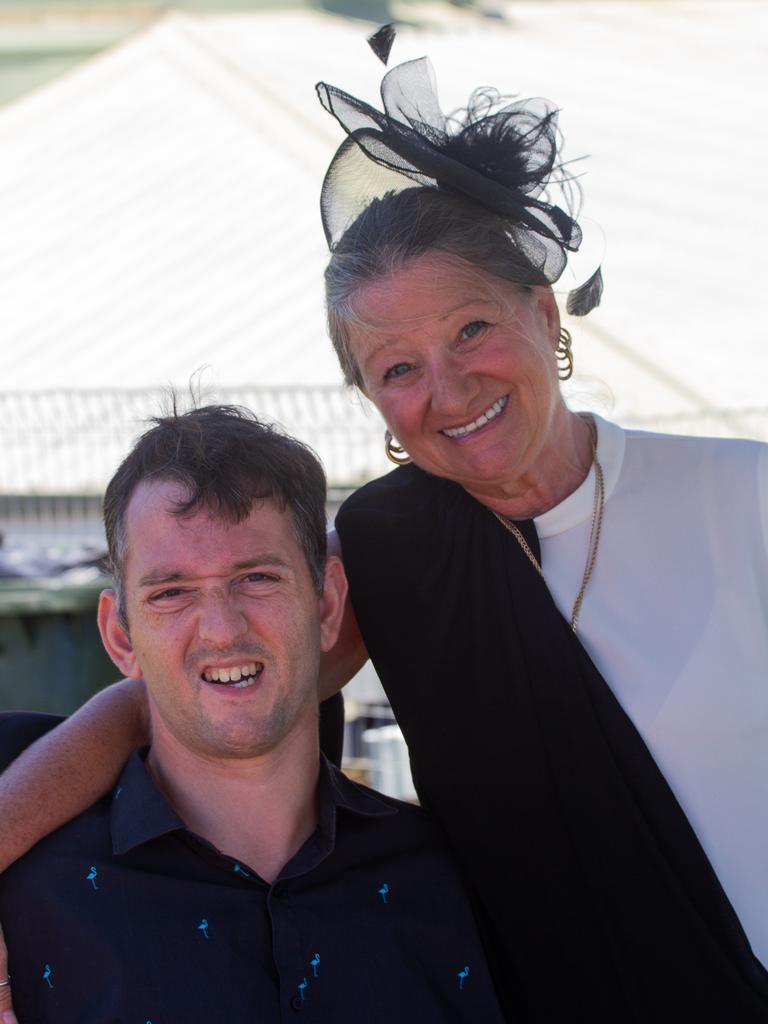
(481, 420)
(239, 676)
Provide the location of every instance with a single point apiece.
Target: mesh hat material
(501, 155)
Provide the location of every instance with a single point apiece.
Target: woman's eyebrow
(389, 334)
(477, 300)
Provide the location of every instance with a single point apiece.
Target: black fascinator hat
(501, 155)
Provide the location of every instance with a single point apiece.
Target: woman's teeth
(239, 677)
(470, 428)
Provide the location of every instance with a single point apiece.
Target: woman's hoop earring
(564, 355)
(394, 452)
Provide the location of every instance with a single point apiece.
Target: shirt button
(297, 1003)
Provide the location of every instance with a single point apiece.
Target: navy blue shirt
(123, 916)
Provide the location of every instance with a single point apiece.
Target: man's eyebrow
(160, 576)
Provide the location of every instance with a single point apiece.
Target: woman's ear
(547, 305)
(115, 636)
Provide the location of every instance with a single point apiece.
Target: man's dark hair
(226, 460)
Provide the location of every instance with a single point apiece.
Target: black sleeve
(398, 535)
(332, 728)
(20, 728)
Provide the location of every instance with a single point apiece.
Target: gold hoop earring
(394, 452)
(564, 355)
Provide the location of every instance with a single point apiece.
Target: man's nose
(221, 621)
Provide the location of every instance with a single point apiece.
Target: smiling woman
(605, 854)
(463, 369)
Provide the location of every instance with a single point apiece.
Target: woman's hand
(69, 768)
(7, 1015)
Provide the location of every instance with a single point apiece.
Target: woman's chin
(473, 469)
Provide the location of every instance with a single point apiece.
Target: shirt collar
(578, 507)
(141, 813)
(335, 792)
(339, 791)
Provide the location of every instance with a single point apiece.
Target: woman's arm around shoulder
(61, 774)
(70, 767)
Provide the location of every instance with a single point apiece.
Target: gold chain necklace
(594, 536)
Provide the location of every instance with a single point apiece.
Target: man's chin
(234, 736)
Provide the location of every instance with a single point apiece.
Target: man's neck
(258, 810)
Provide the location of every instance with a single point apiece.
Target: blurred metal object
(390, 770)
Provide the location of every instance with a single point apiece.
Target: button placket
(287, 952)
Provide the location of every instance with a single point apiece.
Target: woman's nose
(452, 388)
(221, 621)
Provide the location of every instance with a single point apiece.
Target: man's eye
(259, 577)
(473, 329)
(398, 370)
(167, 595)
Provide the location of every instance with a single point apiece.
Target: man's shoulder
(398, 828)
(388, 805)
(18, 729)
(84, 834)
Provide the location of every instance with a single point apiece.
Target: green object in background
(51, 655)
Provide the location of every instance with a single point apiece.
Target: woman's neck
(561, 467)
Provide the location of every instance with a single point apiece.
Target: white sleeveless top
(675, 617)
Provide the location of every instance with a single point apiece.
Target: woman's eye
(473, 329)
(398, 370)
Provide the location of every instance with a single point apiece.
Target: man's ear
(332, 602)
(115, 636)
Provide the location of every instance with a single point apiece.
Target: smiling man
(234, 874)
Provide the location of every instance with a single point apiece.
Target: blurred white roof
(159, 206)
